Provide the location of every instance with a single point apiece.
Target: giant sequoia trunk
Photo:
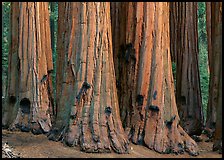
(185, 46)
(87, 104)
(214, 66)
(215, 90)
(144, 77)
(28, 103)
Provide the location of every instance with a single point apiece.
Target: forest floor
(28, 145)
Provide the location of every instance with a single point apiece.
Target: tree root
(164, 139)
(80, 133)
(217, 146)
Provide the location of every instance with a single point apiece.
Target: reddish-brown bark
(174, 11)
(144, 77)
(28, 103)
(215, 92)
(208, 29)
(87, 103)
(183, 27)
(214, 66)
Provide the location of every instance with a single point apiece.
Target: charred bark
(185, 45)
(147, 101)
(87, 103)
(28, 105)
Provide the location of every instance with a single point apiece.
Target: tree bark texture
(185, 45)
(144, 77)
(209, 30)
(87, 103)
(29, 91)
(213, 31)
(215, 93)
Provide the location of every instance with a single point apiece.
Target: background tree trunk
(28, 103)
(174, 11)
(87, 104)
(209, 30)
(213, 60)
(185, 45)
(215, 96)
(147, 101)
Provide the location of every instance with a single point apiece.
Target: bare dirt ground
(38, 146)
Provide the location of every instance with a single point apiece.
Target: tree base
(218, 146)
(171, 139)
(102, 139)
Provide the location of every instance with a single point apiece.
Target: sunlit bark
(28, 103)
(144, 77)
(87, 103)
